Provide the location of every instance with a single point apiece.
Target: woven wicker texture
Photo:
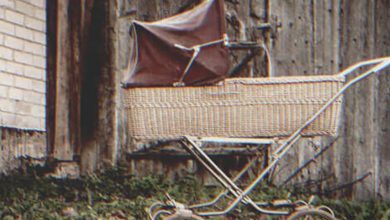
(239, 107)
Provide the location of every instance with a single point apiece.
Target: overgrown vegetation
(115, 195)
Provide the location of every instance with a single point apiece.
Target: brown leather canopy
(156, 61)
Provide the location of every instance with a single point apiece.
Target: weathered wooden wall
(323, 37)
(17, 144)
(313, 37)
(367, 133)
(82, 120)
(307, 43)
(88, 45)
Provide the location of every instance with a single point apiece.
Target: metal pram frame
(193, 145)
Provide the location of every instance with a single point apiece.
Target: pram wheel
(311, 214)
(181, 217)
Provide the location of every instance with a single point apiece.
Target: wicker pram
(263, 108)
(238, 110)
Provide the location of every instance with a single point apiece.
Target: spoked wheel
(180, 217)
(171, 215)
(311, 214)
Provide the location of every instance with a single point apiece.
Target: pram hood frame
(167, 51)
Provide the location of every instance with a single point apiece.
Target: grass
(115, 195)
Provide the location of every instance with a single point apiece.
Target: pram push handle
(384, 60)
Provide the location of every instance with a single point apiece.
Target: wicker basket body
(239, 107)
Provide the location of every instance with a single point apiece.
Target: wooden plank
(293, 55)
(326, 40)
(359, 130)
(293, 46)
(382, 48)
(242, 19)
(76, 40)
(100, 122)
(18, 146)
(51, 74)
(65, 66)
(62, 148)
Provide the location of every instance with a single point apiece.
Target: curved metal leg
(225, 192)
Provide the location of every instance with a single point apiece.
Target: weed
(113, 194)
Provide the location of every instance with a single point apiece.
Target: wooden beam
(83, 82)
(59, 134)
(100, 90)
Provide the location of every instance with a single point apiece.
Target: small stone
(69, 212)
